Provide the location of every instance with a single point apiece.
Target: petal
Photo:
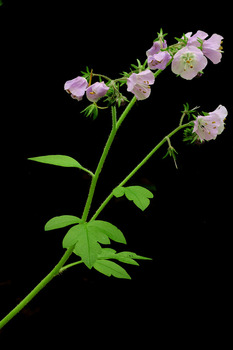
(131, 81)
(147, 76)
(141, 92)
(154, 49)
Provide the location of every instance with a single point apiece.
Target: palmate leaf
(138, 194)
(86, 238)
(60, 160)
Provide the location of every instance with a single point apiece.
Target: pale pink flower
(210, 126)
(139, 84)
(159, 60)
(96, 90)
(193, 39)
(156, 48)
(211, 47)
(188, 62)
(76, 87)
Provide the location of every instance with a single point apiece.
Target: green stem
(133, 172)
(37, 289)
(115, 127)
(59, 267)
(70, 265)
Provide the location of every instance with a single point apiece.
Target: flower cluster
(191, 59)
(188, 58)
(78, 86)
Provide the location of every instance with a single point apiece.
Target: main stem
(115, 126)
(37, 289)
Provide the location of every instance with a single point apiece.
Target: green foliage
(189, 136)
(86, 74)
(60, 160)
(61, 221)
(139, 195)
(86, 238)
(108, 268)
(91, 111)
(125, 257)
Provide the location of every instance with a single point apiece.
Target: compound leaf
(85, 238)
(61, 221)
(138, 194)
(86, 243)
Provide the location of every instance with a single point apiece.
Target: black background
(184, 294)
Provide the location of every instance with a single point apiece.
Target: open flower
(96, 90)
(139, 84)
(188, 62)
(76, 87)
(209, 126)
(211, 47)
(193, 39)
(159, 60)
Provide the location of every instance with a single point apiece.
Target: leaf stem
(70, 265)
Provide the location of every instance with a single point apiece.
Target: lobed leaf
(85, 237)
(61, 221)
(108, 229)
(138, 194)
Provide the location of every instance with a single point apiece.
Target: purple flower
(156, 48)
(212, 48)
(159, 60)
(139, 84)
(76, 87)
(188, 61)
(193, 40)
(96, 90)
(208, 127)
